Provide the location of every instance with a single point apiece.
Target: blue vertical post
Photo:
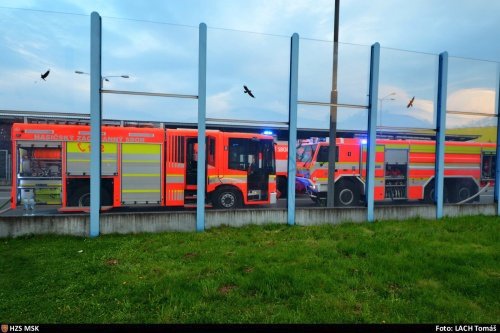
(202, 112)
(497, 171)
(372, 130)
(292, 126)
(442, 95)
(95, 123)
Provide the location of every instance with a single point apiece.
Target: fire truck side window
(323, 154)
(238, 154)
(488, 165)
(268, 156)
(211, 151)
(180, 149)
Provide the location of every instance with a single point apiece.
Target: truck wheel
(227, 198)
(346, 194)
(429, 193)
(462, 191)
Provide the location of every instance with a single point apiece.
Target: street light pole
(104, 78)
(381, 100)
(332, 147)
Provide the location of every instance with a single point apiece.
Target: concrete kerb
(130, 223)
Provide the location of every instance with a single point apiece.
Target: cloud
(219, 105)
(63, 91)
(478, 100)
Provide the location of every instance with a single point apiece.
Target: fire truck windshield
(305, 153)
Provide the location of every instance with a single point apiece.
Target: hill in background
(486, 134)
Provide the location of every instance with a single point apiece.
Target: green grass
(395, 272)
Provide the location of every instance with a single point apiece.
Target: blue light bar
(267, 132)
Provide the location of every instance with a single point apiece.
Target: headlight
(313, 187)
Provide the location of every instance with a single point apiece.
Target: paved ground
(302, 201)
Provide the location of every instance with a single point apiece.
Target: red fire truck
(140, 166)
(404, 170)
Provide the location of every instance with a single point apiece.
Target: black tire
(227, 198)
(81, 198)
(346, 194)
(429, 193)
(461, 191)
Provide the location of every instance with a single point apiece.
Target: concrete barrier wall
(130, 223)
(126, 223)
(15, 226)
(241, 217)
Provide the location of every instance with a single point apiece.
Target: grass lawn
(394, 272)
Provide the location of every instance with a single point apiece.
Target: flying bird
(410, 104)
(44, 75)
(248, 91)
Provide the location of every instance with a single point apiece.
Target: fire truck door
(396, 173)
(174, 170)
(78, 159)
(192, 160)
(141, 173)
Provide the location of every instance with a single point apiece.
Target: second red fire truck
(404, 170)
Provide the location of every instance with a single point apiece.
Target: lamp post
(332, 132)
(381, 100)
(104, 78)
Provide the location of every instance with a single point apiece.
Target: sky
(156, 44)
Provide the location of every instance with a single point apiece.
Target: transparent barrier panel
(315, 72)
(259, 62)
(407, 89)
(5, 162)
(39, 53)
(405, 153)
(312, 156)
(318, 117)
(472, 85)
(470, 163)
(150, 109)
(161, 58)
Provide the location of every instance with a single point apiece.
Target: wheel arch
(74, 185)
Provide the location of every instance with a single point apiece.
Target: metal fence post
(95, 123)
(440, 133)
(202, 112)
(372, 130)
(292, 126)
(497, 171)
